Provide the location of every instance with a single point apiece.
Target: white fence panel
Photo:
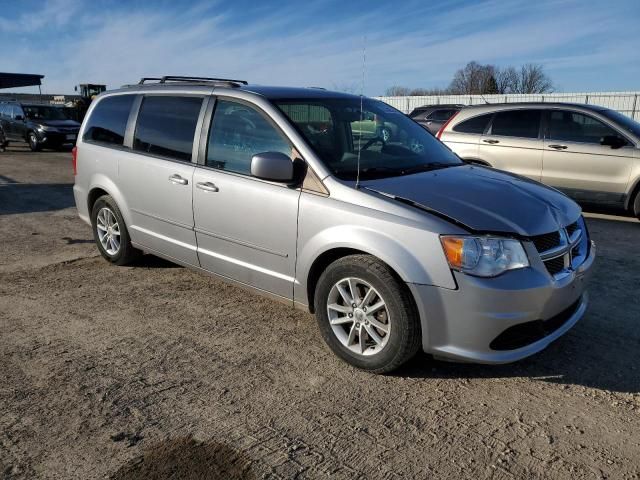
(627, 103)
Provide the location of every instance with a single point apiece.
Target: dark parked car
(39, 125)
(433, 117)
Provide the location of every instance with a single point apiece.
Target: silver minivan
(591, 153)
(393, 242)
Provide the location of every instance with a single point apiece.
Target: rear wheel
(366, 314)
(110, 233)
(33, 142)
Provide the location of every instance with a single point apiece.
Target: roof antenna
(364, 64)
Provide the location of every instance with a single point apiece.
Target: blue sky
(584, 45)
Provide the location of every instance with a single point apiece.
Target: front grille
(555, 265)
(572, 228)
(550, 241)
(526, 333)
(546, 241)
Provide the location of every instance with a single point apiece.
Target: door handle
(207, 186)
(558, 147)
(491, 141)
(178, 180)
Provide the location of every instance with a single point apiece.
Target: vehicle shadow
(187, 459)
(151, 261)
(29, 198)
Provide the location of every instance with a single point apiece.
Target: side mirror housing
(19, 118)
(273, 166)
(613, 141)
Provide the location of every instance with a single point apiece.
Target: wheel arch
(102, 185)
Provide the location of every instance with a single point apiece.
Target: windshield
(623, 121)
(390, 144)
(43, 112)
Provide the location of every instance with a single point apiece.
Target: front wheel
(366, 314)
(33, 142)
(636, 205)
(110, 233)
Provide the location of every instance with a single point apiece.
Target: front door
(157, 177)
(246, 228)
(575, 161)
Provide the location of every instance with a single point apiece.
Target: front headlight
(483, 256)
(47, 128)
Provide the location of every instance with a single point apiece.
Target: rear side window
(441, 115)
(474, 125)
(108, 121)
(517, 123)
(166, 126)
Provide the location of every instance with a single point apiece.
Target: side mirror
(19, 117)
(273, 166)
(613, 141)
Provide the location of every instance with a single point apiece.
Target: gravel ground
(155, 371)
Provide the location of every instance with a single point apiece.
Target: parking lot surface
(154, 370)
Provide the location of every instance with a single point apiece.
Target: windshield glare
(389, 143)
(39, 112)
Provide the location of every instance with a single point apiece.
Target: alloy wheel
(108, 231)
(358, 316)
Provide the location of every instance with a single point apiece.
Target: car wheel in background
(385, 134)
(33, 142)
(636, 205)
(110, 232)
(366, 314)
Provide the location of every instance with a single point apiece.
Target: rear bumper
(475, 323)
(80, 196)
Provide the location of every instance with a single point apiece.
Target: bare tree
(423, 92)
(532, 79)
(397, 91)
(506, 80)
(474, 78)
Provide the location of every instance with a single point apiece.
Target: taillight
(74, 160)
(444, 125)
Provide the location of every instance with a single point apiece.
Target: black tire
(126, 253)
(32, 140)
(636, 205)
(3, 141)
(405, 334)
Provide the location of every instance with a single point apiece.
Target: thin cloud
(413, 44)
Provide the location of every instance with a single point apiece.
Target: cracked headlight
(483, 256)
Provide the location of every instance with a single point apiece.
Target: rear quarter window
(108, 120)
(475, 125)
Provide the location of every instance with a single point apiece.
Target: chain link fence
(626, 103)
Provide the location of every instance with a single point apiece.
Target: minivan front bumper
(501, 319)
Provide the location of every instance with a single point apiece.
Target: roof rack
(175, 78)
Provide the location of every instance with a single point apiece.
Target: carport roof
(11, 80)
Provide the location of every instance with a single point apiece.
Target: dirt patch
(100, 365)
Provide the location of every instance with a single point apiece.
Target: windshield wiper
(428, 167)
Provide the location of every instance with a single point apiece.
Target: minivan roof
(270, 92)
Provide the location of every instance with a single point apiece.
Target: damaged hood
(483, 199)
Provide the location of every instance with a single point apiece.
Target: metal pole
(633, 110)
(586, 99)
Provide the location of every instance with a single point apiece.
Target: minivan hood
(483, 199)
